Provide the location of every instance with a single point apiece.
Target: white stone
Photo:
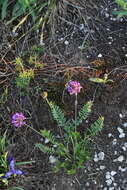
(112, 178)
(110, 135)
(115, 184)
(101, 155)
(102, 167)
(122, 135)
(120, 130)
(66, 42)
(106, 15)
(111, 188)
(95, 159)
(120, 158)
(114, 19)
(122, 169)
(125, 124)
(99, 55)
(52, 159)
(124, 148)
(114, 141)
(120, 115)
(125, 144)
(108, 176)
(81, 26)
(46, 141)
(109, 182)
(113, 173)
(87, 184)
(55, 145)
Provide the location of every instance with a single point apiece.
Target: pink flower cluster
(74, 87)
(18, 119)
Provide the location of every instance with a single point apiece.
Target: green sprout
(99, 80)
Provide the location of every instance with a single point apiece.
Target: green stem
(76, 103)
(34, 130)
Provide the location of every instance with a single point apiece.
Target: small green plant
(24, 78)
(72, 148)
(123, 5)
(3, 158)
(24, 75)
(100, 80)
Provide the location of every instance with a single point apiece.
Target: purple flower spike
(18, 119)
(74, 87)
(12, 170)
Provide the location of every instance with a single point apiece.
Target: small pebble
(108, 176)
(109, 182)
(124, 148)
(99, 55)
(110, 135)
(106, 15)
(102, 167)
(101, 155)
(114, 142)
(113, 173)
(120, 130)
(122, 169)
(122, 135)
(52, 159)
(120, 115)
(125, 144)
(125, 124)
(66, 42)
(46, 141)
(111, 188)
(120, 158)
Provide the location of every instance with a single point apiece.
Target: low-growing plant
(8, 164)
(72, 148)
(123, 5)
(69, 149)
(3, 158)
(24, 78)
(24, 75)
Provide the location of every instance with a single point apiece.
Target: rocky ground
(86, 40)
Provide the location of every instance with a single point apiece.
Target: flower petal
(19, 172)
(8, 174)
(12, 164)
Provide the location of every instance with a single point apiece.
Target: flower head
(74, 87)
(12, 170)
(18, 119)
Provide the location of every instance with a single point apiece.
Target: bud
(44, 95)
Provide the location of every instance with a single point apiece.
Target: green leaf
(83, 113)
(96, 127)
(16, 188)
(71, 172)
(4, 9)
(45, 148)
(24, 163)
(58, 115)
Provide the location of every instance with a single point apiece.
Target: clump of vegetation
(24, 75)
(123, 5)
(71, 149)
(3, 158)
